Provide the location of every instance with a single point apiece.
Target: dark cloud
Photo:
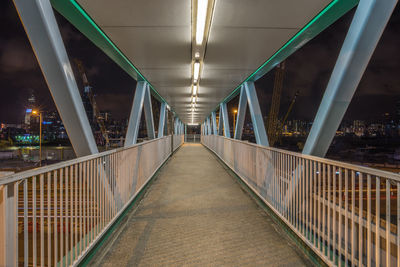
(16, 56)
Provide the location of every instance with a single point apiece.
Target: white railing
(54, 215)
(348, 214)
(177, 140)
(192, 138)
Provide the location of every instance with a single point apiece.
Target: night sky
(308, 71)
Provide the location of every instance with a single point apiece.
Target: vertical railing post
(11, 224)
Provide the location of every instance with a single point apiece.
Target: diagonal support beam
(208, 126)
(256, 116)
(44, 35)
(223, 110)
(220, 123)
(367, 26)
(148, 113)
(241, 113)
(214, 123)
(161, 123)
(136, 114)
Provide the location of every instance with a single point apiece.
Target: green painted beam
(78, 17)
(331, 13)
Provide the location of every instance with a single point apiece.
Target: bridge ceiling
(156, 36)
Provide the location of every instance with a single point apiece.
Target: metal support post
(208, 125)
(10, 199)
(161, 122)
(365, 30)
(241, 113)
(148, 113)
(44, 35)
(220, 124)
(136, 113)
(256, 116)
(175, 125)
(214, 123)
(182, 128)
(224, 112)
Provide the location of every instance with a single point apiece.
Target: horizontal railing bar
(37, 171)
(338, 164)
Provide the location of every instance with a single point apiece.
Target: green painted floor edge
(312, 256)
(86, 260)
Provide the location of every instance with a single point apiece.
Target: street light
(38, 113)
(234, 120)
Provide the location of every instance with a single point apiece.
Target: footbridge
(212, 199)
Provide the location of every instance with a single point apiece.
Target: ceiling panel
(156, 37)
(145, 13)
(266, 13)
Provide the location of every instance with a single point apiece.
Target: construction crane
(282, 124)
(290, 108)
(89, 93)
(272, 125)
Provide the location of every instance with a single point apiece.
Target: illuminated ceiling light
(197, 55)
(201, 20)
(195, 90)
(196, 71)
(193, 100)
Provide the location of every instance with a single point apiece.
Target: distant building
(30, 106)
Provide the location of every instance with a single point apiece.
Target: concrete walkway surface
(196, 214)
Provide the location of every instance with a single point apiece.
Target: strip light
(201, 20)
(195, 90)
(196, 71)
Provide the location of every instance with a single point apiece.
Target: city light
(201, 20)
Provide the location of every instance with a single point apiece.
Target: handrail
(26, 174)
(372, 171)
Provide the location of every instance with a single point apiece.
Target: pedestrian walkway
(196, 214)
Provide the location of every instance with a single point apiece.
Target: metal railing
(348, 214)
(54, 215)
(177, 141)
(192, 138)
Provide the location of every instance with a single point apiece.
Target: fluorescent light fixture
(197, 55)
(196, 71)
(193, 100)
(194, 89)
(201, 20)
